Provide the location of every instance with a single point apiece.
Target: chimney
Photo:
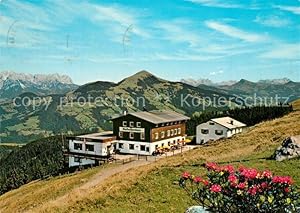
(125, 112)
(231, 122)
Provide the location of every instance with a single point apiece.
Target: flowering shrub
(244, 190)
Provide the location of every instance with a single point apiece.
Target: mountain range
(90, 107)
(13, 84)
(208, 82)
(284, 89)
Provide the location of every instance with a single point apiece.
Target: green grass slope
(153, 188)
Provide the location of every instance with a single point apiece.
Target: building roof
(229, 122)
(157, 117)
(98, 136)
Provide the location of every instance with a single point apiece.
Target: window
(147, 149)
(138, 124)
(131, 146)
(172, 132)
(131, 124)
(219, 132)
(204, 131)
(168, 133)
(156, 136)
(78, 146)
(77, 160)
(121, 134)
(175, 131)
(143, 148)
(169, 143)
(124, 123)
(162, 124)
(121, 146)
(142, 136)
(89, 148)
(162, 134)
(131, 135)
(179, 131)
(156, 147)
(211, 123)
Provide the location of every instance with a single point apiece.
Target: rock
(290, 151)
(197, 209)
(290, 148)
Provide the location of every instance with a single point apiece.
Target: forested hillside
(5, 150)
(36, 160)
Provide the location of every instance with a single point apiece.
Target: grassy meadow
(154, 188)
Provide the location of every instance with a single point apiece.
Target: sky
(173, 39)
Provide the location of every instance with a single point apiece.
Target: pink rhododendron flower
(228, 168)
(212, 166)
(250, 173)
(205, 182)
(282, 180)
(253, 190)
(216, 188)
(198, 179)
(267, 174)
(264, 185)
(233, 179)
(242, 185)
(243, 189)
(186, 175)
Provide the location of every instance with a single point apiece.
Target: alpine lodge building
(144, 132)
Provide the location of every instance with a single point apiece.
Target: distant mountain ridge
(209, 82)
(13, 84)
(282, 88)
(90, 107)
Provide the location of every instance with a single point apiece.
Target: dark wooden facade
(150, 129)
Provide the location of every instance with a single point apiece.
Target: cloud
(184, 57)
(118, 16)
(292, 9)
(283, 51)
(272, 21)
(216, 3)
(235, 32)
(175, 32)
(45, 23)
(216, 72)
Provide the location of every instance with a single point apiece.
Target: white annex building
(218, 128)
(90, 149)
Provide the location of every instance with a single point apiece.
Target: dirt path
(96, 180)
(101, 176)
(83, 190)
